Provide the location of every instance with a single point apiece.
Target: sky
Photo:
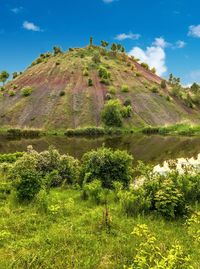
(163, 33)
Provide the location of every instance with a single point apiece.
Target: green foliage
(11, 93)
(127, 102)
(85, 72)
(96, 58)
(104, 44)
(153, 70)
(90, 82)
(195, 88)
(108, 166)
(154, 89)
(62, 93)
(57, 50)
(169, 201)
(4, 75)
(112, 90)
(10, 157)
(193, 226)
(104, 73)
(26, 91)
(15, 74)
(26, 178)
(126, 111)
(113, 47)
(93, 191)
(111, 114)
(133, 203)
(145, 65)
(163, 84)
(124, 88)
(150, 255)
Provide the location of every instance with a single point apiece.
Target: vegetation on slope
(63, 90)
(57, 212)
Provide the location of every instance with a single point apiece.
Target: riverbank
(179, 129)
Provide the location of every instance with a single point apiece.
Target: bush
(104, 73)
(169, 200)
(126, 111)
(85, 73)
(163, 84)
(125, 88)
(26, 178)
(62, 93)
(90, 82)
(11, 93)
(93, 191)
(26, 91)
(112, 90)
(145, 65)
(154, 89)
(127, 102)
(133, 204)
(111, 114)
(108, 166)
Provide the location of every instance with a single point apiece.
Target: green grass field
(63, 231)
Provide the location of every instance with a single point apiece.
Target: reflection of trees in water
(153, 149)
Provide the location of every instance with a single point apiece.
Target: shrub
(145, 65)
(90, 82)
(138, 74)
(127, 102)
(154, 89)
(96, 58)
(112, 90)
(111, 114)
(150, 255)
(125, 88)
(93, 191)
(26, 178)
(11, 93)
(133, 204)
(163, 84)
(169, 200)
(108, 166)
(104, 73)
(85, 73)
(62, 93)
(126, 111)
(26, 91)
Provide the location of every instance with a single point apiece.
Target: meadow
(57, 212)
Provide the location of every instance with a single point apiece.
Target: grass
(178, 129)
(63, 231)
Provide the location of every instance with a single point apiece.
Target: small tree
(4, 75)
(113, 47)
(111, 114)
(153, 70)
(57, 50)
(91, 41)
(15, 74)
(104, 44)
(163, 84)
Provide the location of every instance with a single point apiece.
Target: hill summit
(70, 89)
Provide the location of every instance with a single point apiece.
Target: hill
(68, 90)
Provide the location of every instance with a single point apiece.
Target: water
(151, 149)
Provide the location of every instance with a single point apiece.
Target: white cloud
(194, 31)
(180, 44)
(30, 26)
(17, 10)
(160, 42)
(154, 56)
(127, 36)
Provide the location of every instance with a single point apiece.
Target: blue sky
(165, 34)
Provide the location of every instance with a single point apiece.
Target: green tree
(57, 50)
(113, 47)
(108, 166)
(104, 44)
(15, 74)
(111, 114)
(4, 75)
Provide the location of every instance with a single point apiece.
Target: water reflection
(153, 149)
